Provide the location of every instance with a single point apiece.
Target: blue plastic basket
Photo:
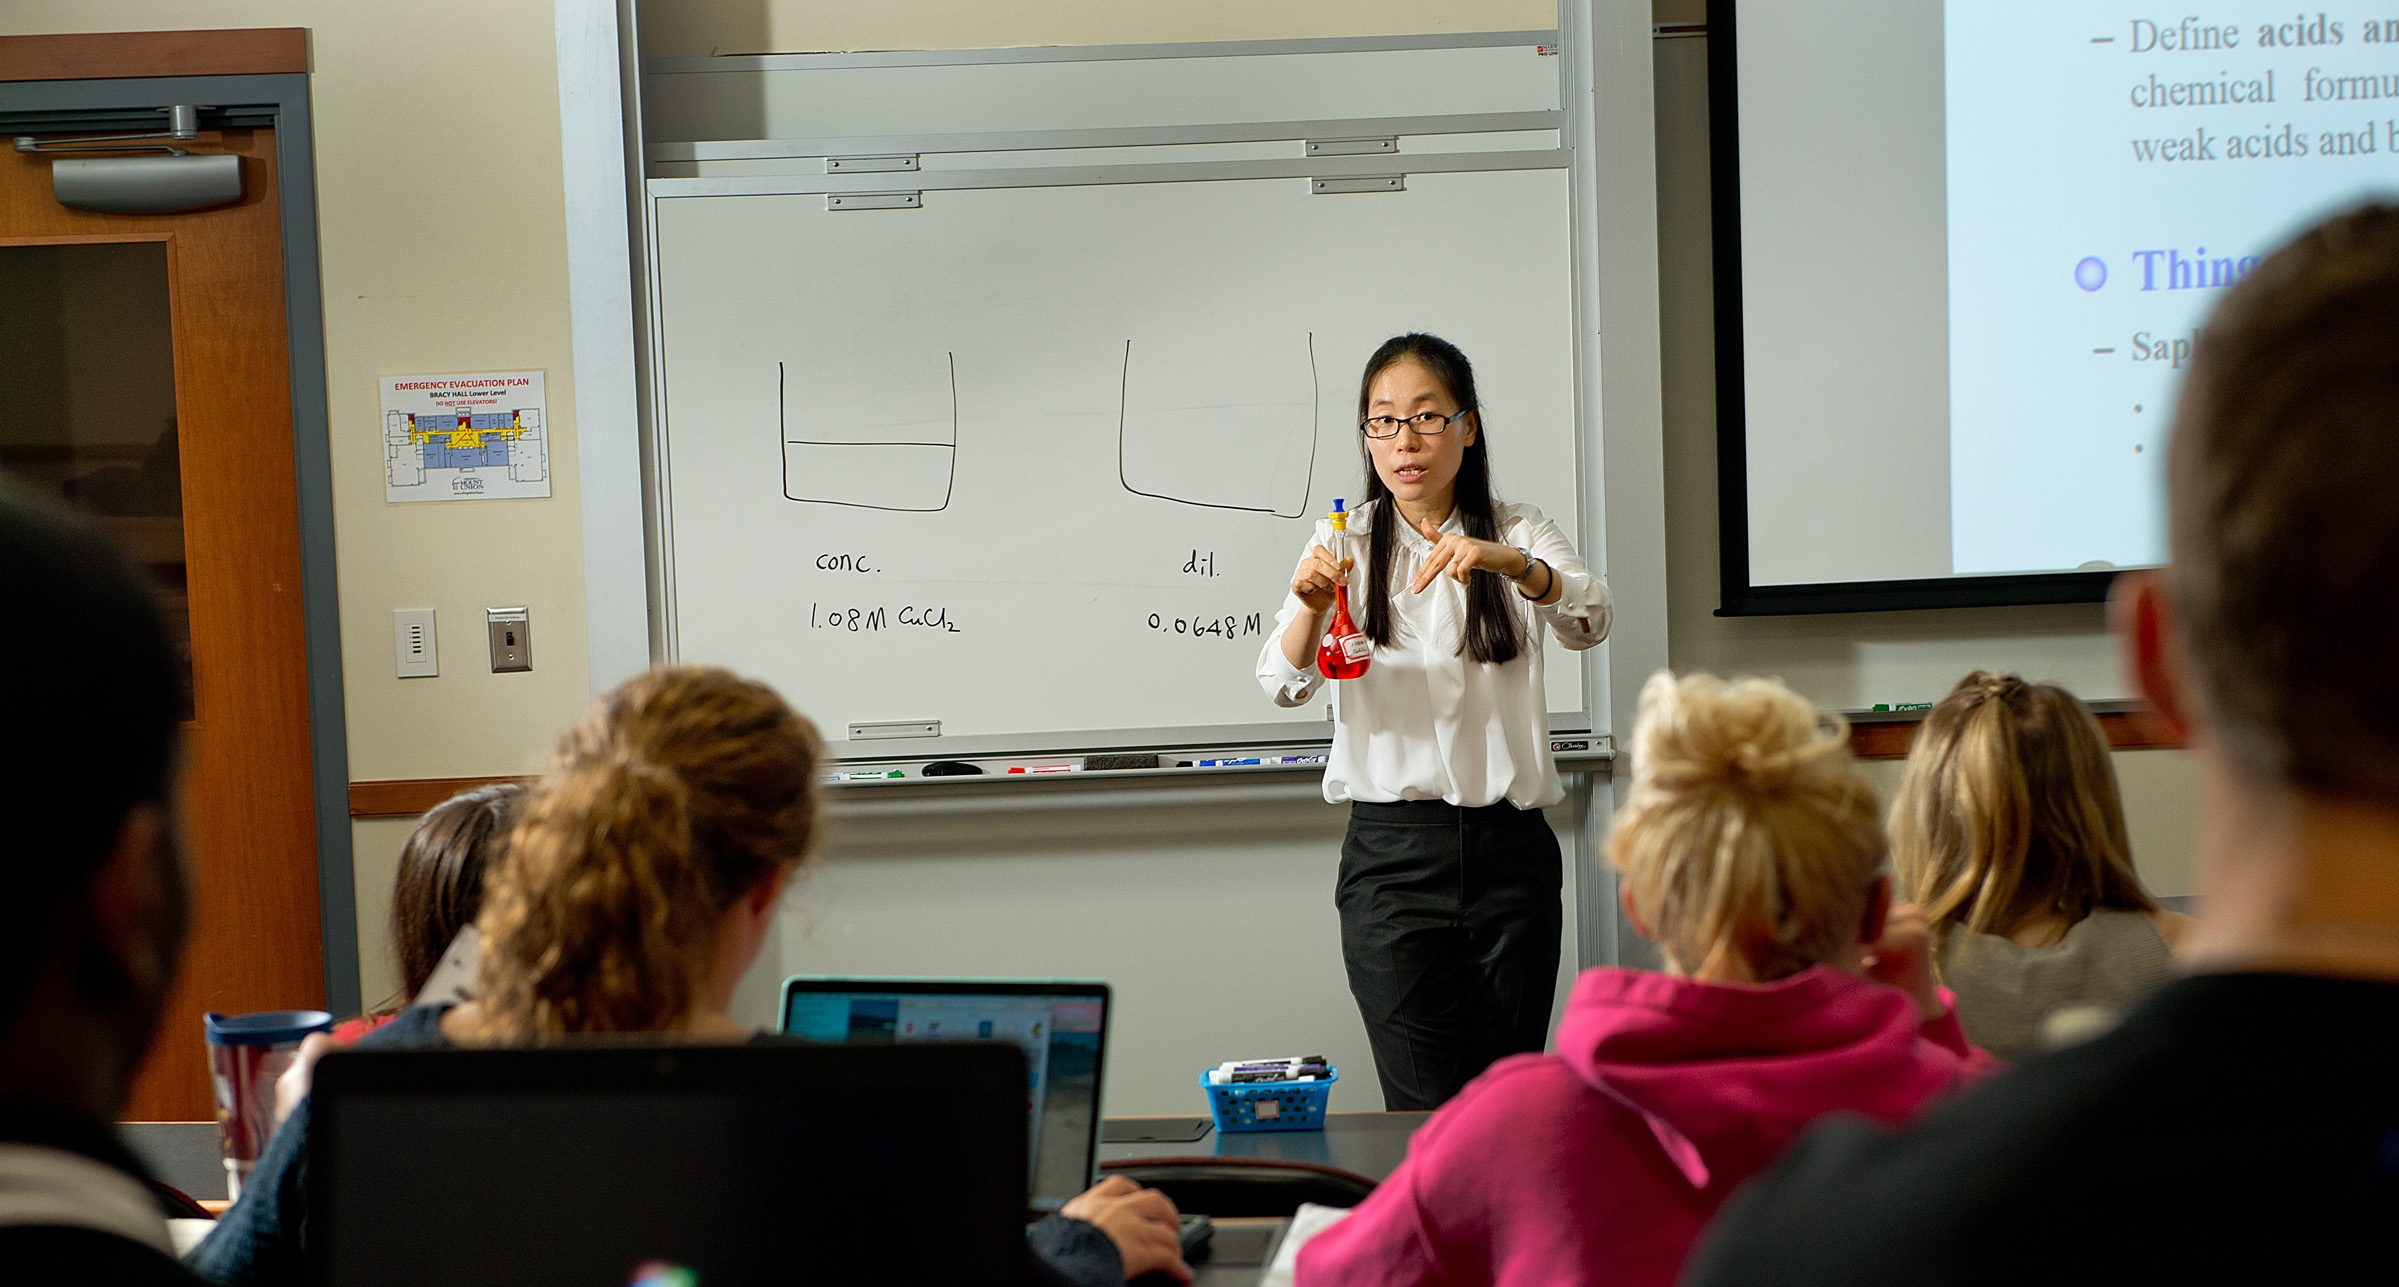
(1270, 1105)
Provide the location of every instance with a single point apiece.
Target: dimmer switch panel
(511, 639)
(412, 639)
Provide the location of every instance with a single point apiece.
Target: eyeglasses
(1427, 423)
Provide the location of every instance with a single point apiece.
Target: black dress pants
(1449, 929)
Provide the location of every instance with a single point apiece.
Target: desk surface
(1237, 1255)
(1364, 1144)
(186, 1155)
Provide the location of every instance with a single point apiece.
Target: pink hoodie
(1600, 1164)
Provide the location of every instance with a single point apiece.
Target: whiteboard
(1040, 460)
(999, 390)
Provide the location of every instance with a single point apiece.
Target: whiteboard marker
(865, 775)
(1043, 768)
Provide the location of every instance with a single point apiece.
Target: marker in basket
(1307, 1068)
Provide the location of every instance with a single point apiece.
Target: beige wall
(697, 28)
(441, 235)
(376, 853)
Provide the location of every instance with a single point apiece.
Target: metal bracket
(1382, 183)
(871, 730)
(869, 164)
(1353, 147)
(183, 125)
(874, 200)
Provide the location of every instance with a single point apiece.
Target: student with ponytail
(1750, 849)
(2008, 831)
(1450, 876)
(640, 878)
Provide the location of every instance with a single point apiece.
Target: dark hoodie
(1601, 1163)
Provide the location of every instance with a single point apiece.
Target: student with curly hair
(638, 882)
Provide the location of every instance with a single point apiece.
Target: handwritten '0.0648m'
(1224, 627)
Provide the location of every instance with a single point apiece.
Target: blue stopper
(1337, 504)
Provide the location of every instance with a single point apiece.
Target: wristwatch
(1530, 563)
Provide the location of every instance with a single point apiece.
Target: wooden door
(229, 566)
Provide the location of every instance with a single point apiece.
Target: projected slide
(2111, 170)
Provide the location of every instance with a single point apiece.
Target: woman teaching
(1450, 877)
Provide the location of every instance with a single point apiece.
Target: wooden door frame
(71, 104)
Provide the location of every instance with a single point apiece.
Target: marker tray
(1269, 1105)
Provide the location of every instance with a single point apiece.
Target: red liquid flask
(1345, 653)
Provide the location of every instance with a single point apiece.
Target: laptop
(668, 1166)
(1060, 1025)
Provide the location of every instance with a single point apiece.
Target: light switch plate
(412, 639)
(511, 639)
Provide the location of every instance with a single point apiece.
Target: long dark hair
(439, 890)
(1494, 633)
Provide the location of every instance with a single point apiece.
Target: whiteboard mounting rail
(874, 200)
(870, 164)
(1353, 147)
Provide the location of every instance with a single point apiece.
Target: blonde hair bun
(1751, 735)
(1749, 842)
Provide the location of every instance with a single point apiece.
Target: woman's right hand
(1903, 958)
(1313, 584)
(1141, 1222)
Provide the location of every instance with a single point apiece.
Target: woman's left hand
(1460, 556)
(292, 1086)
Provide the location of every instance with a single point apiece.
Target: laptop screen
(666, 1166)
(1061, 1027)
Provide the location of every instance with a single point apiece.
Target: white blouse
(1425, 722)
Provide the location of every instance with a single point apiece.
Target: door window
(87, 400)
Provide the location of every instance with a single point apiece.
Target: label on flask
(1356, 647)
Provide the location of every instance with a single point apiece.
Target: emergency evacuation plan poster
(465, 437)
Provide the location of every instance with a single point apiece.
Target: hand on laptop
(292, 1086)
(1141, 1222)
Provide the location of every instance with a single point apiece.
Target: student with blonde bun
(1751, 849)
(2008, 832)
(2237, 1126)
